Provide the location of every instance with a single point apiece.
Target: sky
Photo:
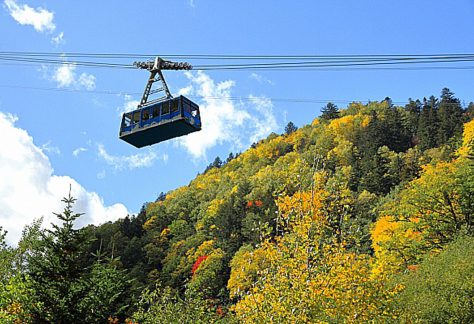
(59, 123)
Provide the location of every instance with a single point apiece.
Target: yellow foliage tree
(429, 213)
(245, 266)
(467, 149)
(306, 280)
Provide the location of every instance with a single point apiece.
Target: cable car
(162, 118)
(160, 122)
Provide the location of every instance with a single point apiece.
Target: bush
(441, 289)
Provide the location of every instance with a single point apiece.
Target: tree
(217, 162)
(306, 280)
(413, 108)
(63, 289)
(469, 115)
(450, 115)
(106, 288)
(441, 289)
(330, 111)
(290, 128)
(56, 272)
(163, 305)
(428, 123)
(230, 157)
(161, 197)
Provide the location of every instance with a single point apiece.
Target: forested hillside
(366, 214)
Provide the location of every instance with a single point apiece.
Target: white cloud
(47, 147)
(59, 39)
(78, 151)
(192, 4)
(129, 105)
(87, 81)
(65, 76)
(41, 19)
(30, 190)
(261, 79)
(135, 161)
(224, 120)
(262, 126)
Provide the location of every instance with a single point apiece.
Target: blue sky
(59, 129)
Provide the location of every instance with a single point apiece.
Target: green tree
(106, 289)
(450, 115)
(469, 115)
(56, 273)
(230, 157)
(441, 290)
(413, 108)
(163, 305)
(330, 111)
(428, 123)
(290, 128)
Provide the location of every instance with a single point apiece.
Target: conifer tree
(290, 128)
(56, 273)
(217, 162)
(330, 111)
(411, 123)
(469, 115)
(427, 132)
(450, 115)
(230, 157)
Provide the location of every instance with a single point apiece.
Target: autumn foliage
(198, 263)
(363, 216)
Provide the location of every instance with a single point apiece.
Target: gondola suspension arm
(155, 67)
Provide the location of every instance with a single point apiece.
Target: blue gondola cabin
(160, 121)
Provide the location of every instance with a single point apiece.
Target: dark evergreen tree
(450, 114)
(330, 111)
(290, 128)
(57, 273)
(469, 113)
(396, 137)
(372, 137)
(217, 162)
(377, 178)
(230, 157)
(161, 197)
(411, 123)
(389, 101)
(427, 132)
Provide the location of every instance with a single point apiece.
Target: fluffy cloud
(65, 76)
(129, 105)
(41, 19)
(47, 147)
(225, 120)
(59, 39)
(134, 161)
(262, 126)
(30, 190)
(78, 151)
(261, 79)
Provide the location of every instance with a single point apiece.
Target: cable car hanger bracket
(155, 67)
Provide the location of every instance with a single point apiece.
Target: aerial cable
(321, 63)
(308, 64)
(225, 56)
(230, 98)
